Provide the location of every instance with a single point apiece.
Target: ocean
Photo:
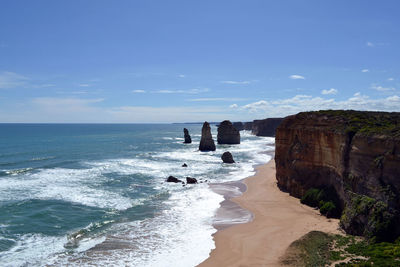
(95, 194)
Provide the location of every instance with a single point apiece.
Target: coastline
(278, 220)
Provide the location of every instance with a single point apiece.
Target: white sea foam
(72, 185)
(180, 235)
(32, 250)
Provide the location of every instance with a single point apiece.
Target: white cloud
(331, 91)
(139, 91)
(71, 102)
(365, 70)
(168, 114)
(216, 99)
(297, 77)
(236, 82)
(11, 80)
(50, 109)
(393, 98)
(390, 79)
(190, 91)
(181, 76)
(284, 107)
(45, 85)
(84, 85)
(369, 44)
(382, 89)
(233, 106)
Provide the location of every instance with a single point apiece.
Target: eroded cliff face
(357, 154)
(266, 127)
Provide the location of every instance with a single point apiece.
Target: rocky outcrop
(190, 180)
(227, 134)
(172, 179)
(248, 126)
(186, 134)
(238, 125)
(266, 127)
(206, 141)
(356, 154)
(227, 157)
(184, 165)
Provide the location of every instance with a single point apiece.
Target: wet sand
(278, 220)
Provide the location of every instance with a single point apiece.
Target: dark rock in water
(266, 127)
(172, 179)
(190, 180)
(184, 165)
(238, 125)
(227, 157)
(248, 126)
(186, 134)
(206, 142)
(227, 134)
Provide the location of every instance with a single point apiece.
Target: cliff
(266, 127)
(352, 155)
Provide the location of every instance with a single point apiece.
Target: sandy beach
(278, 220)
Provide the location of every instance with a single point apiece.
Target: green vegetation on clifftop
(363, 122)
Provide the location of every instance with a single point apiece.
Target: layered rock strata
(357, 154)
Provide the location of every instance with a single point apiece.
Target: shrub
(328, 209)
(311, 197)
(325, 199)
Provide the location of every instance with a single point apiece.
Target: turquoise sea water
(94, 194)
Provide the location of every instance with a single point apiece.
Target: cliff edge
(352, 155)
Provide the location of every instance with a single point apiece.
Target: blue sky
(177, 61)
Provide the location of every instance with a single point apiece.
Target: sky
(115, 61)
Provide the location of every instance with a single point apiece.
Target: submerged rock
(172, 179)
(184, 165)
(227, 134)
(206, 142)
(187, 137)
(227, 157)
(190, 180)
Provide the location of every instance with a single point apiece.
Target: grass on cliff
(364, 122)
(321, 249)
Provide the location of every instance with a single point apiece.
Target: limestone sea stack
(227, 134)
(227, 157)
(187, 137)
(206, 142)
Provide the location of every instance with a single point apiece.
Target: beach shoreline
(277, 220)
